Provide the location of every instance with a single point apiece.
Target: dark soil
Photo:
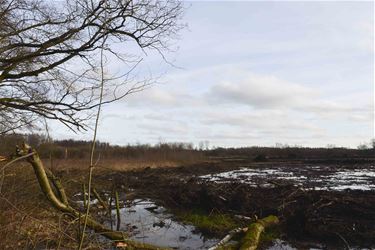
(334, 218)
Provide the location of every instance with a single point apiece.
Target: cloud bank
(269, 72)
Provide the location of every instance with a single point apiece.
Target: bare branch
(50, 55)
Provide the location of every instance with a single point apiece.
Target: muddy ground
(334, 218)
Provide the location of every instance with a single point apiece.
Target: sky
(255, 74)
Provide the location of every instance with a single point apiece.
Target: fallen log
(228, 237)
(251, 239)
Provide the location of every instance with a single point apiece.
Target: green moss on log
(251, 239)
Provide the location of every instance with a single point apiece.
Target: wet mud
(330, 205)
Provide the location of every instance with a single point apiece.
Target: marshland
(173, 124)
(176, 196)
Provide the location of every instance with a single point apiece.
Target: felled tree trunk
(227, 238)
(251, 239)
(60, 201)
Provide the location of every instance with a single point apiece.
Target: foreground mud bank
(334, 218)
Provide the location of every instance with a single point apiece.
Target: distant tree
(279, 145)
(49, 54)
(206, 144)
(362, 146)
(201, 145)
(34, 139)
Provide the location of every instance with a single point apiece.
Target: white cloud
(262, 92)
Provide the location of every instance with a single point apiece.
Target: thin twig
(347, 247)
(93, 143)
(117, 212)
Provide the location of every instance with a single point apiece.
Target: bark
(251, 239)
(58, 185)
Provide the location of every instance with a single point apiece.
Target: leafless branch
(50, 53)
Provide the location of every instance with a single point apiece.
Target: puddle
(149, 223)
(308, 177)
(146, 222)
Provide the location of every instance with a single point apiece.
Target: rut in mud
(327, 216)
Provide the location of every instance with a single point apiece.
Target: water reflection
(149, 223)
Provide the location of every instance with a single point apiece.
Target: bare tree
(49, 54)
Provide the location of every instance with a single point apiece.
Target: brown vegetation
(72, 153)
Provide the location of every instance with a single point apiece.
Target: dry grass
(27, 220)
(114, 164)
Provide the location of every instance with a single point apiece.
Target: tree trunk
(251, 239)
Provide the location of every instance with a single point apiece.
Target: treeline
(293, 153)
(78, 149)
(161, 151)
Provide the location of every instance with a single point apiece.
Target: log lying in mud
(227, 238)
(60, 201)
(252, 234)
(251, 239)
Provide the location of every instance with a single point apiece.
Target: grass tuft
(214, 223)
